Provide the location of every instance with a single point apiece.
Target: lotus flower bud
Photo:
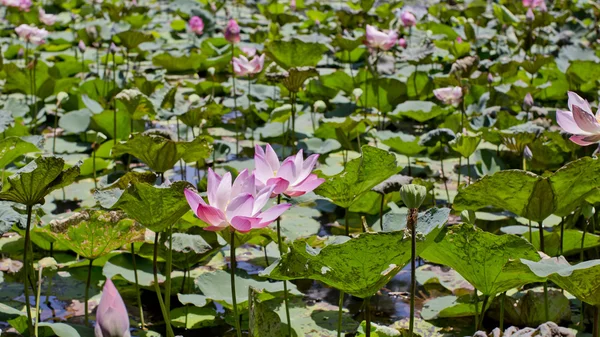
(81, 46)
(319, 106)
(587, 211)
(413, 195)
(113, 48)
(402, 42)
(528, 101)
(490, 78)
(112, 319)
(232, 32)
(21, 53)
(61, 97)
(468, 217)
(408, 19)
(459, 39)
(194, 98)
(211, 71)
(357, 93)
(530, 16)
(527, 153)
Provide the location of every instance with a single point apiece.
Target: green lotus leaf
(359, 176)
(136, 104)
(358, 266)
(465, 144)
(482, 257)
(37, 179)
(295, 53)
(12, 148)
(94, 233)
(402, 143)
(131, 39)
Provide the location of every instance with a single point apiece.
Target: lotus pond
(299, 168)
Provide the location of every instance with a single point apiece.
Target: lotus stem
(468, 171)
(381, 211)
(444, 174)
(340, 313)
(137, 285)
(236, 316)
(585, 226)
(411, 224)
(459, 166)
(26, 265)
(530, 232)
(486, 298)
(367, 303)
(94, 168)
(502, 298)
(541, 229)
(409, 167)
(293, 134)
(237, 134)
(476, 309)
(562, 234)
(157, 288)
(285, 290)
(37, 301)
(87, 293)
(168, 268)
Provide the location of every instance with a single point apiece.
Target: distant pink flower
(408, 19)
(402, 42)
(243, 67)
(459, 39)
(232, 32)
(32, 34)
(47, 19)
(238, 205)
(293, 177)
(196, 25)
(23, 5)
(81, 46)
(534, 4)
(249, 51)
(377, 39)
(449, 95)
(579, 121)
(529, 16)
(293, 5)
(111, 316)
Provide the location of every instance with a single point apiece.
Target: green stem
(157, 288)
(562, 234)
(444, 174)
(485, 301)
(459, 166)
(137, 286)
(293, 135)
(476, 309)
(346, 223)
(26, 266)
(411, 224)
(236, 316)
(37, 301)
(585, 226)
(340, 313)
(237, 135)
(409, 167)
(168, 267)
(530, 232)
(367, 304)
(87, 293)
(381, 211)
(502, 298)
(285, 291)
(94, 168)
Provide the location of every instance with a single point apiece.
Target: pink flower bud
(232, 32)
(111, 316)
(402, 42)
(196, 25)
(408, 19)
(81, 46)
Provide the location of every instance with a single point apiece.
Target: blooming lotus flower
(293, 177)
(238, 205)
(408, 19)
(541, 4)
(402, 42)
(32, 34)
(249, 51)
(380, 40)
(579, 121)
(47, 19)
(232, 32)
(243, 67)
(112, 319)
(449, 95)
(196, 25)
(23, 5)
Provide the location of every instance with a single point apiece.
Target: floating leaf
(295, 53)
(12, 148)
(190, 317)
(359, 266)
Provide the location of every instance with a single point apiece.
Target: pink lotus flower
(293, 5)
(23, 5)
(541, 4)
(47, 19)
(402, 42)
(238, 205)
(580, 121)
(196, 25)
(243, 67)
(449, 95)
(32, 34)
(112, 319)
(81, 46)
(232, 32)
(529, 16)
(408, 19)
(249, 51)
(293, 177)
(380, 40)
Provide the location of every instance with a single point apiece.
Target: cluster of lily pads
(298, 168)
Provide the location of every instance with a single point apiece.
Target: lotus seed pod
(194, 98)
(61, 97)
(211, 71)
(588, 211)
(413, 195)
(468, 217)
